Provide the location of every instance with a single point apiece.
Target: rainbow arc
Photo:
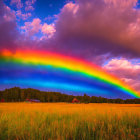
(50, 70)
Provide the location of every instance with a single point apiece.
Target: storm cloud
(98, 28)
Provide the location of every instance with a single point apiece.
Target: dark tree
(16, 94)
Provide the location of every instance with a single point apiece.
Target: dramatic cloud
(93, 30)
(128, 71)
(99, 27)
(10, 37)
(8, 30)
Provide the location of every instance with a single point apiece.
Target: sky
(102, 32)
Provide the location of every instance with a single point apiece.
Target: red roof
(75, 100)
(2, 100)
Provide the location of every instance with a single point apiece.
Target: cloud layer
(89, 29)
(94, 30)
(8, 30)
(126, 70)
(99, 27)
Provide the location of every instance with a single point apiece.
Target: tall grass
(61, 121)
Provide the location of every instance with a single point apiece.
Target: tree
(16, 94)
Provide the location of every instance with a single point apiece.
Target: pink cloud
(29, 5)
(48, 30)
(30, 2)
(10, 37)
(121, 3)
(29, 8)
(8, 28)
(9, 14)
(70, 7)
(135, 83)
(18, 3)
(33, 27)
(125, 70)
(134, 29)
(22, 15)
(115, 64)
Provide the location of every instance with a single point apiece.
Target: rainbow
(47, 70)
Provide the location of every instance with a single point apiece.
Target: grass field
(63, 121)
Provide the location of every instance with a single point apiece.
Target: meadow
(65, 121)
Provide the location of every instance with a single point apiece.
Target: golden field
(65, 121)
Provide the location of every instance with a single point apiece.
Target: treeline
(17, 94)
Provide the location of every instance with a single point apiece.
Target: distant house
(32, 100)
(2, 100)
(75, 100)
